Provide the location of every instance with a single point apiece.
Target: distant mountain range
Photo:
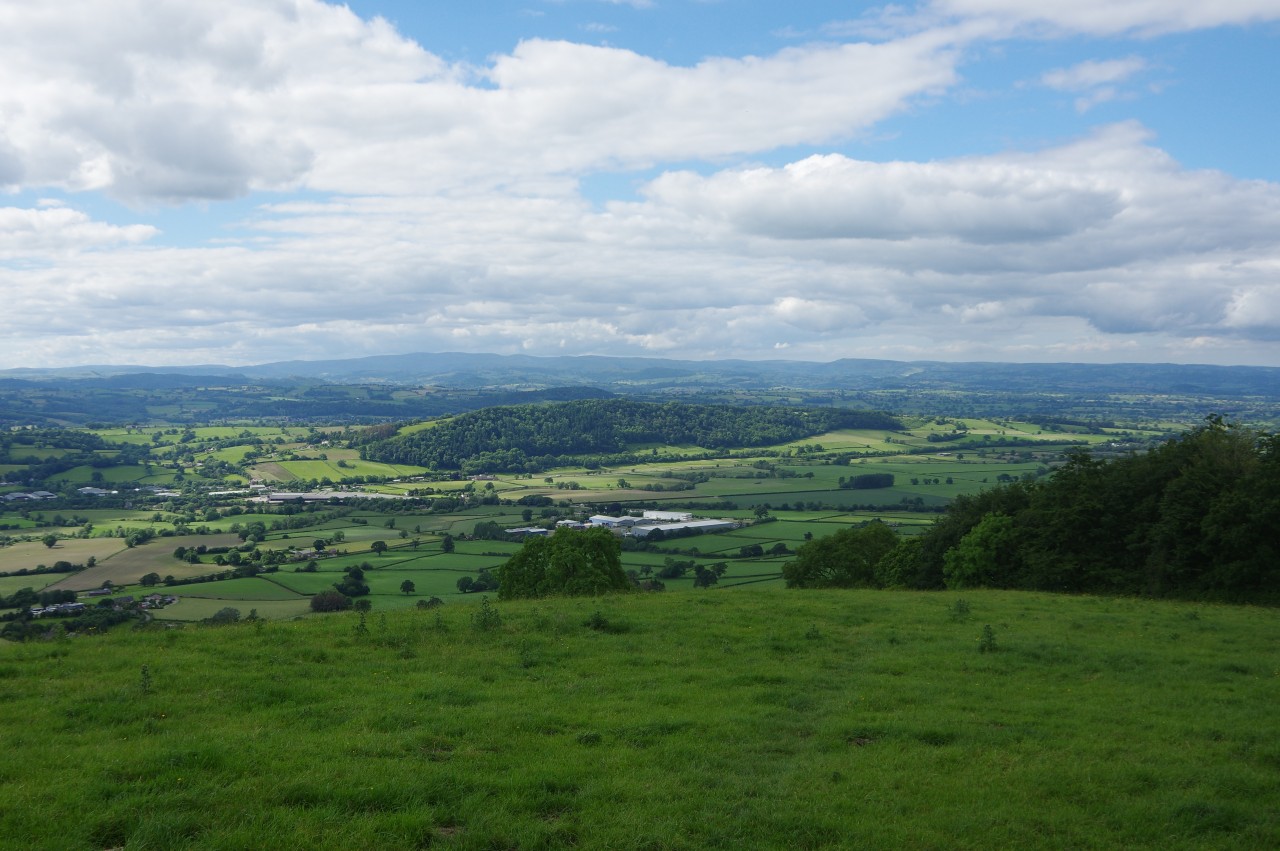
(634, 375)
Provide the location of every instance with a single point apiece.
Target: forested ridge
(1197, 517)
(525, 438)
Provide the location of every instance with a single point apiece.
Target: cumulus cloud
(211, 100)
(1093, 244)
(444, 209)
(833, 197)
(56, 229)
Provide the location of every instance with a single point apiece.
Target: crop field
(28, 555)
(127, 565)
(752, 718)
(286, 471)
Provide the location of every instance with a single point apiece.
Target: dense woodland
(531, 438)
(1195, 517)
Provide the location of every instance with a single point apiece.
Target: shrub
(486, 618)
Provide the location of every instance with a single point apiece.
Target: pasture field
(257, 588)
(198, 608)
(751, 718)
(36, 582)
(143, 474)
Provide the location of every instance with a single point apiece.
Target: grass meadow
(754, 718)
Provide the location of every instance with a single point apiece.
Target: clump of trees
(868, 481)
(484, 580)
(849, 558)
(572, 561)
(330, 601)
(352, 583)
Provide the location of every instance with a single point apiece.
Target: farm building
(668, 516)
(643, 531)
(528, 532)
(612, 522)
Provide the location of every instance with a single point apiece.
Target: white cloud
(1053, 18)
(1098, 80)
(1093, 73)
(211, 100)
(1076, 250)
(833, 197)
(1114, 17)
(53, 229)
(445, 211)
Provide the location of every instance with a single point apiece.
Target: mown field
(713, 719)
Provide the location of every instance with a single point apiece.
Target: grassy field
(759, 719)
(189, 609)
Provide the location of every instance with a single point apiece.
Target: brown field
(127, 566)
(272, 470)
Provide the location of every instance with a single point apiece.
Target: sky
(243, 181)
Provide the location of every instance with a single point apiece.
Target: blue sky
(239, 182)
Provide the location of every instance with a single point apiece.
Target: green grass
(36, 582)
(256, 589)
(199, 608)
(758, 719)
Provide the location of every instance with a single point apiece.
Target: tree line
(1195, 517)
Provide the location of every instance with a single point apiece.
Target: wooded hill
(530, 438)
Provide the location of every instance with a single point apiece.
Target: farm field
(751, 718)
(30, 554)
(127, 565)
(798, 483)
(191, 608)
(36, 582)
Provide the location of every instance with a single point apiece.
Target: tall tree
(573, 562)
